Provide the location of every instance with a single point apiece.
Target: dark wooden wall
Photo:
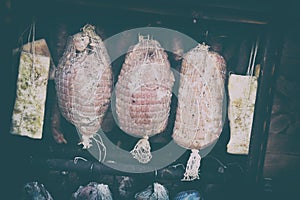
(282, 161)
(283, 151)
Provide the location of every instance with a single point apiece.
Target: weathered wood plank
(263, 105)
(282, 166)
(283, 144)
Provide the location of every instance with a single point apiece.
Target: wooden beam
(263, 105)
(190, 9)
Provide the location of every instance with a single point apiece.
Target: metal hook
(78, 158)
(252, 57)
(206, 37)
(155, 172)
(91, 168)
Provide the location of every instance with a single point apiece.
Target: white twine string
(251, 65)
(99, 143)
(79, 158)
(192, 167)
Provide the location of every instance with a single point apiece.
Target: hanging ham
(143, 94)
(199, 116)
(83, 83)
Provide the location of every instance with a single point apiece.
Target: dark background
(232, 28)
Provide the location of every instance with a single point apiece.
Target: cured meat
(143, 94)
(93, 191)
(31, 93)
(155, 191)
(199, 116)
(242, 96)
(83, 82)
(35, 190)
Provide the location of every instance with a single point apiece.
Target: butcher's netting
(143, 94)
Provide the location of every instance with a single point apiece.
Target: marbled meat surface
(144, 90)
(201, 95)
(84, 82)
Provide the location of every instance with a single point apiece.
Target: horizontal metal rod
(85, 166)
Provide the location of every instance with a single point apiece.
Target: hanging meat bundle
(93, 191)
(199, 116)
(143, 94)
(242, 96)
(83, 83)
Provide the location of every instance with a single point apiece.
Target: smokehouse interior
(158, 100)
